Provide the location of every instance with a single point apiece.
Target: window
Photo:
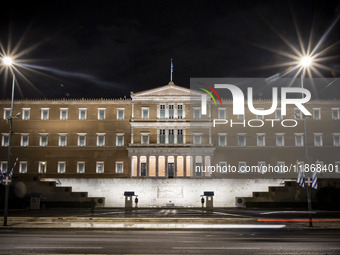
(281, 166)
(61, 167)
(336, 139)
(119, 167)
(145, 113)
(197, 139)
(3, 166)
(297, 114)
(335, 113)
(119, 140)
(81, 139)
(180, 111)
(101, 113)
(26, 113)
(171, 111)
(62, 140)
(80, 167)
(120, 113)
(23, 167)
(100, 139)
(222, 140)
(82, 113)
(318, 140)
(299, 140)
(278, 114)
(241, 140)
(221, 113)
(145, 138)
(171, 136)
(223, 166)
(24, 140)
(7, 113)
(180, 136)
(5, 139)
(316, 113)
(42, 167)
(162, 111)
(197, 113)
(240, 116)
(280, 141)
(100, 167)
(63, 113)
(43, 139)
(261, 167)
(242, 166)
(162, 136)
(45, 113)
(260, 140)
(260, 117)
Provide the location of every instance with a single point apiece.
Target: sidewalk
(159, 219)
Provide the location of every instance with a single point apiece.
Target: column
(209, 135)
(166, 167)
(184, 136)
(138, 166)
(175, 136)
(166, 136)
(132, 135)
(132, 111)
(157, 136)
(147, 165)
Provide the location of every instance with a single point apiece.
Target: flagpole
(171, 69)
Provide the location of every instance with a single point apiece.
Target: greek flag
(301, 177)
(172, 67)
(314, 181)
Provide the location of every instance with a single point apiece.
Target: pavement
(170, 219)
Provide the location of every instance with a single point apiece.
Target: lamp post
(9, 62)
(305, 63)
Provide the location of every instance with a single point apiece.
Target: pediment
(167, 91)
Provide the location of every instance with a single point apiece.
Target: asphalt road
(231, 241)
(174, 213)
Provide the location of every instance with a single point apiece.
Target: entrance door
(171, 167)
(143, 169)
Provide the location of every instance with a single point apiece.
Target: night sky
(106, 49)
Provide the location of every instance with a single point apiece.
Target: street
(231, 241)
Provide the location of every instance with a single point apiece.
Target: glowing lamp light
(7, 61)
(306, 61)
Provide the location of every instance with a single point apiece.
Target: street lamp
(306, 63)
(8, 61)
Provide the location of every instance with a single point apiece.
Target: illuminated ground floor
(158, 192)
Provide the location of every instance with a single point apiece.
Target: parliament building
(158, 145)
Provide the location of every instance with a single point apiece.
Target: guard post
(209, 199)
(128, 199)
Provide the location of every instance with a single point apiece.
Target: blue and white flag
(6, 178)
(172, 67)
(301, 177)
(314, 181)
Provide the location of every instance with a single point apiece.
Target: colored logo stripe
(213, 90)
(208, 92)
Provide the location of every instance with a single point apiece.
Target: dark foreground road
(231, 241)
